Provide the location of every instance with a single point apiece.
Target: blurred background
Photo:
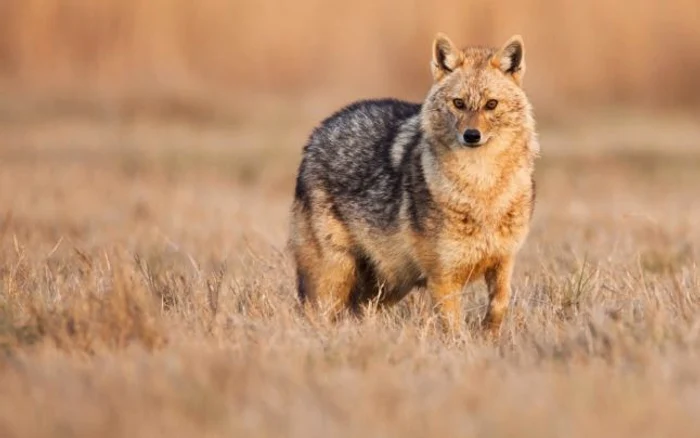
(213, 58)
(230, 89)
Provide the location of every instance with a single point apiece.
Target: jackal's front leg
(498, 283)
(446, 294)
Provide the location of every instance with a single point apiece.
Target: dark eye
(491, 104)
(458, 103)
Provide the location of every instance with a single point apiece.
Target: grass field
(145, 291)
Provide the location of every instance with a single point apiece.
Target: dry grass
(191, 53)
(145, 291)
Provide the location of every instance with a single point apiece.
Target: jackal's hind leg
(334, 281)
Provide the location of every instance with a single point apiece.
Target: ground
(145, 290)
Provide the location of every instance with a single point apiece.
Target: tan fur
(488, 219)
(486, 197)
(326, 260)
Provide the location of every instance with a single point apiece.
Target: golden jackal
(391, 195)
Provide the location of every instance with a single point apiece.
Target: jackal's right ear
(510, 59)
(446, 57)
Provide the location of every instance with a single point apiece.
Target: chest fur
(485, 228)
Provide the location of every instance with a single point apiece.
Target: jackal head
(477, 97)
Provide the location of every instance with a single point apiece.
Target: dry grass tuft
(75, 306)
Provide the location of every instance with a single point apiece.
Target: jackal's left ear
(510, 59)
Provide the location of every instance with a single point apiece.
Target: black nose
(472, 136)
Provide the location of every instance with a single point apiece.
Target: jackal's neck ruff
(461, 178)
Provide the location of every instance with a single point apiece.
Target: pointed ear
(446, 57)
(510, 59)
